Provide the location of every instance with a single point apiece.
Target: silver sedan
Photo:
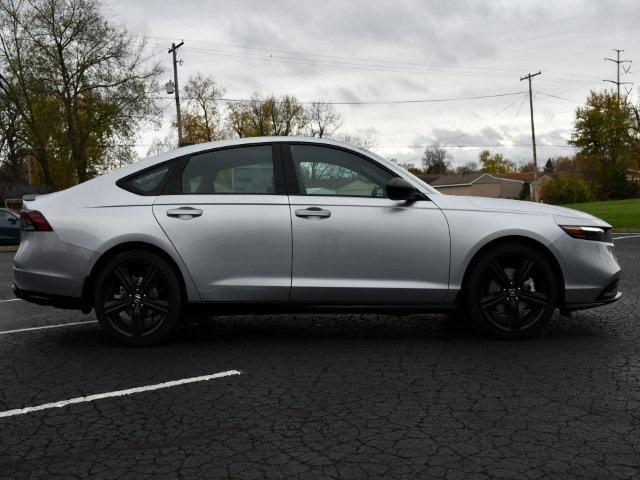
(286, 223)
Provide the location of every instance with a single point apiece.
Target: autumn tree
(13, 150)
(607, 138)
(78, 83)
(270, 116)
(436, 159)
(527, 168)
(201, 119)
(495, 163)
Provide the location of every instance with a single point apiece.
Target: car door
(352, 244)
(230, 223)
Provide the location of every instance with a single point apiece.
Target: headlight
(599, 234)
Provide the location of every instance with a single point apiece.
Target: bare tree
(469, 167)
(160, 145)
(322, 120)
(362, 140)
(436, 159)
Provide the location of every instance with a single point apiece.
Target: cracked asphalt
(326, 396)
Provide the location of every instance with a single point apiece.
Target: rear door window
(240, 170)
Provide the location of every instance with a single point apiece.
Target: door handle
(314, 212)
(184, 213)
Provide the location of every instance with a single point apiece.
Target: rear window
(147, 182)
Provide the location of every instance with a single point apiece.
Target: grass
(624, 215)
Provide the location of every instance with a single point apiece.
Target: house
(527, 177)
(633, 175)
(479, 184)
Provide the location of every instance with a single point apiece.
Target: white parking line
(6, 332)
(628, 236)
(118, 393)
(10, 300)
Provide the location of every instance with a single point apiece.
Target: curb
(9, 248)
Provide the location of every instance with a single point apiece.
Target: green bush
(567, 189)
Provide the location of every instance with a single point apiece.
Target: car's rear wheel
(137, 298)
(512, 290)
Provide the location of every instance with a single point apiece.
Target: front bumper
(608, 295)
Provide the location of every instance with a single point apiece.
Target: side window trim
(293, 182)
(173, 185)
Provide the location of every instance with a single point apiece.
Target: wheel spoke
(136, 321)
(148, 279)
(491, 301)
(499, 273)
(524, 271)
(157, 305)
(534, 297)
(513, 314)
(125, 279)
(115, 306)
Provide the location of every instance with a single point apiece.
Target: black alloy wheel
(512, 291)
(138, 298)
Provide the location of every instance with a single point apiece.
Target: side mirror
(400, 189)
(12, 221)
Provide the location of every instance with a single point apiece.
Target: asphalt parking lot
(323, 396)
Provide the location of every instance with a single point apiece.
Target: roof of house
(460, 180)
(521, 176)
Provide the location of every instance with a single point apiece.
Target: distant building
(633, 175)
(481, 184)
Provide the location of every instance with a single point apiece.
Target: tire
(138, 298)
(512, 291)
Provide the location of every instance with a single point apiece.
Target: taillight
(34, 221)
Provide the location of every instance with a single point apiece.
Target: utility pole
(618, 62)
(534, 192)
(173, 50)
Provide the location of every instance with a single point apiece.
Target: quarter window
(148, 181)
(330, 171)
(232, 170)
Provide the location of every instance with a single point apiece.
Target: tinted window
(232, 170)
(148, 181)
(329, 171)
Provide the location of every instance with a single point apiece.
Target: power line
(363, 102)
(557, 96)
(354, 60)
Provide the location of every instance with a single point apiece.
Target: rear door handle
(313, 212)
(184, 213)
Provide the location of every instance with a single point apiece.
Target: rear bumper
(46, 265)
(47, 299)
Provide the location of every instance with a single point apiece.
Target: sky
(392, 51)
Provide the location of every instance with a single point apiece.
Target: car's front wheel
(512, 290)
(137, 298)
